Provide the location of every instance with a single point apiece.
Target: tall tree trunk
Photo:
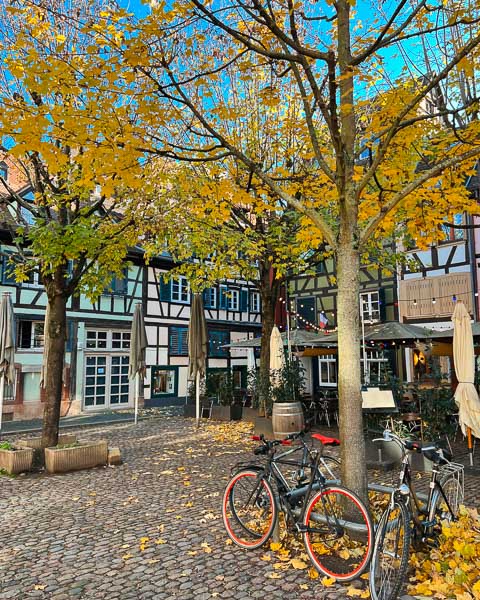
(269, 291)
(54, 358)
(354, 472)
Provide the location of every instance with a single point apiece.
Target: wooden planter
(226, 413)
(16, 461)
(84, 456)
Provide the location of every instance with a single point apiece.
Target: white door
(106, 381)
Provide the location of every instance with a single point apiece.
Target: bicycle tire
(249, 509)
(388, 569)
(453, 490)
(338, 533)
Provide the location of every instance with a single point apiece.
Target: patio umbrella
(197, 347)
(251, 366)
(466, 395)
(138, 345)
(277, 356)
(7, 346)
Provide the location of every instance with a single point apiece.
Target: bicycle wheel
(390, 555)
(338, 533)
(330, 468)
(453, 490)
(249, 509)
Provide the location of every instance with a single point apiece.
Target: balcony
(416, 295)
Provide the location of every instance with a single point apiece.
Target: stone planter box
(226, 413)
(84, 456)
(36, 442)
(16, 461)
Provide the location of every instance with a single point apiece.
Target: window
(254, 302)
(180, 290)
(30, 334)
(97, 340)
(210, 298)
(120, 340)
(178, 341)
(370, 306)
(216, 341)
(34, 279)
(306, 313)
(164, 381)
(377, 366)
(327, 370)
(233, 300)
(452, 233)
(119, 284)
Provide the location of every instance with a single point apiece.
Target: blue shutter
(223, 300)
(382, 306)
(69, 340)
(243, 300)
(178, 341)
(165, 290)
(207, 298)
(8, 276)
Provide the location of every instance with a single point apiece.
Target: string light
(299, 317)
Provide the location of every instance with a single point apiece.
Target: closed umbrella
(277, 356)
(197, 347)
(7, 346)
(138, 346)
(466, 395)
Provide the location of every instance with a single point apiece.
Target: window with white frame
(377, 366)
(180, 290)
(233, 299)
(120, 340)
(108, 340)
(254, 302)
(327, 370)
(370, 306)
(30, 334)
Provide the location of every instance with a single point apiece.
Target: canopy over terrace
(378, 332)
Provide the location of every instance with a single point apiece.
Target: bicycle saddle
(439, 456)
(326, 441)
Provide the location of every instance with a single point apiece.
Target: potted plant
(38, 451)
(79, 455)
(287, 410)
(220, 384)
(15, 460)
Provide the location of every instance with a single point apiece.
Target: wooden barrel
(287, 417)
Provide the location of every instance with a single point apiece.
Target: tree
(219, 214)
(64, 125)
(365, 127)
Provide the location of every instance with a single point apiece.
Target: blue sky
(136, 6)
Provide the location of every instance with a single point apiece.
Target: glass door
(106, 381)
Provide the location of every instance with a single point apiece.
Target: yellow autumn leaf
(60, 38)
(274, 575)
(266, 557)
(275, 546)
(328, 581)
(304, 586)
(353, 591)
(298, 564)
(160, 541)
(313, 573)
(127, 556)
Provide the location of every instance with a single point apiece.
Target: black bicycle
(408, 518)
(335, 524)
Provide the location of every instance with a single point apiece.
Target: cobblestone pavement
(150, 528)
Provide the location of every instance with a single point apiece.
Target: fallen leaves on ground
(452, 570)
